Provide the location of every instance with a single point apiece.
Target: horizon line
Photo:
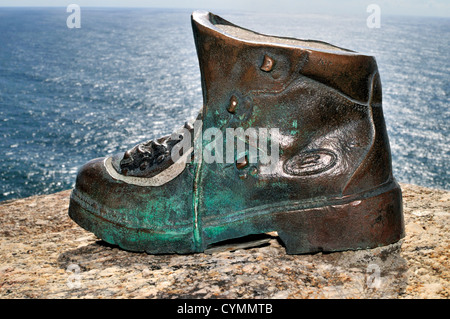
(222, 9)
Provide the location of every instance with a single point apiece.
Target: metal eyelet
(242, 162)
(253, 171)
(233, 104)
(267, 64)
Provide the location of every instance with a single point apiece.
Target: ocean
(129, 75)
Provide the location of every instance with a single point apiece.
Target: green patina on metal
(322, 194)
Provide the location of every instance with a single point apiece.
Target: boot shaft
(324, 100)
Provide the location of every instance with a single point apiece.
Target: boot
(329, 188)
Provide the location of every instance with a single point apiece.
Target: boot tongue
(149, 158)
(144, 156)
(144, 160)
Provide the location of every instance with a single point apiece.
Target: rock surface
(43, 254)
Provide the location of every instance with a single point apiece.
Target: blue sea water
(128, 75)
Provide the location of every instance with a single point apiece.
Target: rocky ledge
(43, 254)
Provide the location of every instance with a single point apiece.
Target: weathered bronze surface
(332, 189)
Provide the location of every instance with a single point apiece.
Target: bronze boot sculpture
(329, 188)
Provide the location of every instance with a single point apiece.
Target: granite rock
(43, 254)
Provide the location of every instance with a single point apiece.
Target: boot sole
(87, 214)
(361, 221)
(359, 224)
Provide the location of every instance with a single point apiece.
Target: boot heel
(359, 224)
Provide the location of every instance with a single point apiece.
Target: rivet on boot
(242, 162)
(268, 64)
(253, 170)
(233, 104)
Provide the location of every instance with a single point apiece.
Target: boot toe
(136, 218)
(89, 176)
(93, 200)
